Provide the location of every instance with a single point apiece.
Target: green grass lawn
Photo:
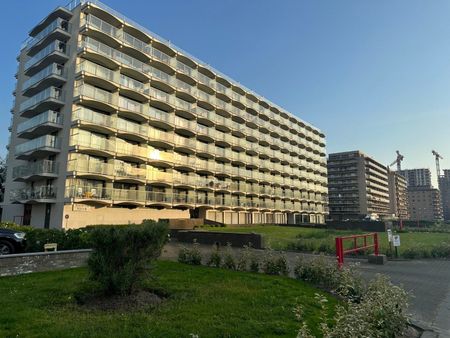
(284, 238)
(205, 301)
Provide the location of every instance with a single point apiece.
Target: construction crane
(437, 157)
(398, 161)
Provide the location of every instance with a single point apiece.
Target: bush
(228, 260)
(215, 259)
(244, 258)
(122, 255)
(374, 310)
(190, 256)
(275, 263)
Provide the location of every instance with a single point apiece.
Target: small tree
(122, 255)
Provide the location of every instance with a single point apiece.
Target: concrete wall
(110, 215)
(42, 261)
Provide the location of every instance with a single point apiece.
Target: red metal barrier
(340, 251)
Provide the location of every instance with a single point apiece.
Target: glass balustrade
(132, 105)
(46, 141)
(36, 193)
(95, 93)
(91, 116)
(132, 128)
(55, 46)
(48, 116)
(42, 167)
(89, 140)
(58, 23)
(88, 192)
(46, 94)
(91, 166)
(99, 24)
(135, 43)
(135, 85)
(51, 69)
(97, 70)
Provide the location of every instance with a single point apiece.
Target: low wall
(185, 223)
(18, 264)
(221, 238)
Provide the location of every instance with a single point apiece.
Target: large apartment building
(398, 196)
(358, 186)
(113, 124)
(417, 177)
(444, 187)
(425, 204)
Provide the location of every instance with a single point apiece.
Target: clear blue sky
(373, 75)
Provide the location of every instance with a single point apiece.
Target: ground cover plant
(207, 302)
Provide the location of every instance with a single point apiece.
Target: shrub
(254, 263)
(122, 255)
(374, 310)
(215, 259)
(275, 263)
(244, 258)
(190, 256)
(228, 260)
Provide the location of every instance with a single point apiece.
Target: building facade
(112, 124)
(358, 186)
(417, 177)
(444, 187)
(398, 196)
(424, 204)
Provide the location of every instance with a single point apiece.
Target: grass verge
(205, 301)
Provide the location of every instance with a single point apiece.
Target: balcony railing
(97, 70)
(55, 46)
(38, 193)
(87, 115)
(82, 165)
(132, 105)
(92, 141)
(46, 94)
(48, 116)
(46, 141)
(58, 23)
(52, 69)
(132, 128)
(43, 167)
(100, 25)
(133, 84)
(95, 93)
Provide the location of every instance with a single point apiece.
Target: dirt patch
(136, 301)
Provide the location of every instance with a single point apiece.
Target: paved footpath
(427, 280)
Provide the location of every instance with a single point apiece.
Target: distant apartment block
(444, 187)
(417, 177)
(398, 196)
(424, 204)
(113, 124)
(358, 186)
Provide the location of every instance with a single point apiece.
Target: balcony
(54, 52)
(130, 151)
(94, 120)
(34, 170)
(57, 29)
(49, 98)
(134, 88)
(44, 123)
(159, 176)
(86, 193)
(52, 75)
(38, 147)
(133, 108)
(88, 168)
(98, 75)
(132, 130)
(128, 196)
(44, 194)
(92, 144)
(96, 97)
(91, 21)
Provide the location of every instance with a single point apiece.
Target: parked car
(11, 241)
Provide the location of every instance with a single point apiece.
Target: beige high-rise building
(398, 196)
(358, 186)
(113, 124)
(425, 204)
